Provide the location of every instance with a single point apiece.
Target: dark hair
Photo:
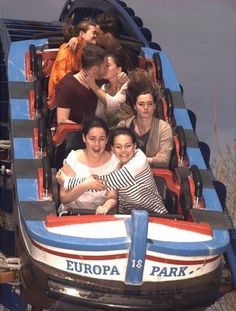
(120, 59)
(92, 122)
(70, 31)
(92, 55)
(121, 131)
(140, 83)
(109, 22)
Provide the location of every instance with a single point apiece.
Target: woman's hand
(92, 183)
(88, 80)
(102, 210)
(73, 44)
(122, 77)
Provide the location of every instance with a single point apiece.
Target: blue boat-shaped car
(133, 261)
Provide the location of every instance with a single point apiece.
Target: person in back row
(154, 136)
(75, 100)
(109, 28)
(69, 60)
(134, 180)
(112, 94)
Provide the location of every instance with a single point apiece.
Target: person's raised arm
(123, 177)
(67, 196)
(110, 101)
(73, 43)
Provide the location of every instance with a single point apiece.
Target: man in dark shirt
(75, 101)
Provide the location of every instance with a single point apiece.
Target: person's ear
(81, 34)
(83, 137)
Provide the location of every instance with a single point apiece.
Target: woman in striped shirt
(134, 180)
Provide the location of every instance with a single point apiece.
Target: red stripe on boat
(181, 262)
(120, 256)
(54, 221)
(75, 256)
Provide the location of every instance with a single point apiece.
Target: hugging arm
(114, 181)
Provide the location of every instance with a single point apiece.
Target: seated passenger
(75, 100)
(134, 180)
(109, 28)
(112, 95)
(93, 160)
(69, 60)
(154, 136)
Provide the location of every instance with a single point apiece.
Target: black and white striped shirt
(136, 185)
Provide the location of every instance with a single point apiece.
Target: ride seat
(170, 198)
(148, 65)
(48, 58)
(67, 137)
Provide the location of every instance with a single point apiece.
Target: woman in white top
(93, 160)
(112, 95)
(134, 180)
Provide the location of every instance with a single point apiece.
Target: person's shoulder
(139, 157)
(139, 154)
(68, 80)
(63, 47)
(109, 156)
(76, 154)
(164, 125)
(114, 158)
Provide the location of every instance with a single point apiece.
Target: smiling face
(123, 147)
(90, 36)
(95, 140)
(145, 106)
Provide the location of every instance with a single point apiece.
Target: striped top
(136, 185)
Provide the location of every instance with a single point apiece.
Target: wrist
(66, 183)
(95, 88)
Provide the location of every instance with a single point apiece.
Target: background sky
(198, 37)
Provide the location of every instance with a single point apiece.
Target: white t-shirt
(89, 199)
(112, 111)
